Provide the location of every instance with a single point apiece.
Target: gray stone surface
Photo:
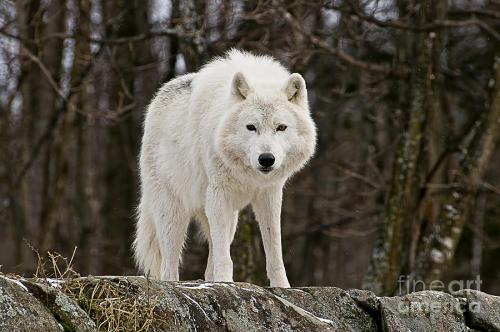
(20, 311)
(365, 298)
(139, 304)
(67, 311)
(330, 303)
(422, 311)
(483, 310)
(228, 307)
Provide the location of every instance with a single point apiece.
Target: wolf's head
(269, 131)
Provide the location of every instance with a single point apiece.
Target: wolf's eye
(281, 127)
(251, 127)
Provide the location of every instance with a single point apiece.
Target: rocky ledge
(139, 304)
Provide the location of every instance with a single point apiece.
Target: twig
(374, 67)
(53, 122)
(437, 24)
(44, 70)
(108, 41)
(490, 187)
(358, 176)
(479, 12)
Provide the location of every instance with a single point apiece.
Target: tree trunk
(391, 248)
(440, 243)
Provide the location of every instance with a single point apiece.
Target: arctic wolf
(215, 141)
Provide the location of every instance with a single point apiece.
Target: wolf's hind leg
(171, 223)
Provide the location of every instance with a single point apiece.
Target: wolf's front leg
(222, 219)
(267, 209)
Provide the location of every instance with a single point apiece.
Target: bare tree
(403, 93)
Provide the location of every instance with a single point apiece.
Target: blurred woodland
(406, 96)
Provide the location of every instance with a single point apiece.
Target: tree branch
(436, 24)
(374, 67)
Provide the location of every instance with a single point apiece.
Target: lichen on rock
(20, 311)
(140, 304)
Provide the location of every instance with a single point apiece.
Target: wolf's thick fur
(204, 138)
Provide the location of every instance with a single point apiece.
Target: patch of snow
(253, 302)
(17, 282)
(56, 283)
(246, 289)
(198, 305)
(233, 285)
(200, 286)
(296, 290)
(303, 312)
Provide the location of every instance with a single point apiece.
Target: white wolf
(215, 141)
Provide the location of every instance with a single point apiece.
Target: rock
(220, 306)
(365, 298)
(66, 310)
(422, 311)
(331, 303)
(139, 304)
(483, 310)
(20, 311)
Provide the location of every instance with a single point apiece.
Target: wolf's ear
(295, 89)
(239, 86)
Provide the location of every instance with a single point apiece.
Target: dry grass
(54, 265)
(114, 305)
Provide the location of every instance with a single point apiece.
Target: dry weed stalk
(113, 304)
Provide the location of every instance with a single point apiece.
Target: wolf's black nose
(266, 159)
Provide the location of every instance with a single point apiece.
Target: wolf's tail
(146, 248)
